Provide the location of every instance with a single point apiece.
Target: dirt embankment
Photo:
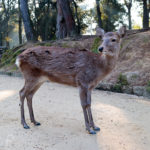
(134, 59)
(133, 65)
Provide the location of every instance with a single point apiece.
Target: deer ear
(122, 31)
(100, 32)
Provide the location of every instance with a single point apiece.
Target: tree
(128, 4)
(19, 24)
(112, 14)
(149, 6)
(99, 13)
(77, 16)
(66, 16)
(145, 15)
(7, 18)
(26, 20)
(43, 15)
(44, 19)
(146, 11)
(61, 24)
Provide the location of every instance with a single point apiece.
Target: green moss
(9, 57)
(40, 44)
(64, 45)
(48, 44)
(148, 87)
(96, 44)
(148, 84)
(43, 44)
(122, 81)
(117, 88)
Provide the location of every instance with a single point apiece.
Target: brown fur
(76, 67)
(63, 65)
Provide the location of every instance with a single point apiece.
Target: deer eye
(113, 40)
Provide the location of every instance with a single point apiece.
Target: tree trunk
(61, 25)
(68, 17)
(1, 39)
(20, 24)
(145, 15)
(99, 13)
(47, 24)
(129, 18)
(76, 15)
(7, 35)
(128, 4)
(26, 20)
(148, 11)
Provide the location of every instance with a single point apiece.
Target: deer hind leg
(22, 94)
(27, 92)
(86, 103)
(29, 103)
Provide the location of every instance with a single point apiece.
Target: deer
(71, 66)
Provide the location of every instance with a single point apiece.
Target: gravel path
(124, 120)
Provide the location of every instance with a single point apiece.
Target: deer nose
(101, 49)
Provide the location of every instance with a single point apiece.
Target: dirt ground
(124, 120)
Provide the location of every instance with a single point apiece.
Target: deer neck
(108, 61)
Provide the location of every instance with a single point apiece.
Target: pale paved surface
(124, 120)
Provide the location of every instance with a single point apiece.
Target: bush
(148, 87)
(117, 88)
(122, 81)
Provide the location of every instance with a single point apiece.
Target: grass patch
(96, 44)
(47, 44)
(122, 81)
(64, 45)
(43, 44)
(117, 88)
(9, 57)
(148, 87)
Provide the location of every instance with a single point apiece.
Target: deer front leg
(84, 104)
(95, 128)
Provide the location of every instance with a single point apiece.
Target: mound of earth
(134, 60)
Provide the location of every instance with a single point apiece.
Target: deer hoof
(96, 128)
(26, 126)
(91, 131)
(37, 124)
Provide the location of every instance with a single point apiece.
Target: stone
(146, 93)
(127, 90)
(138, 90)
(104, 86)
(132, 77)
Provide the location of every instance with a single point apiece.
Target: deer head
(110, 41)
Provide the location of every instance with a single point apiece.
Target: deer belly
(63, 79)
